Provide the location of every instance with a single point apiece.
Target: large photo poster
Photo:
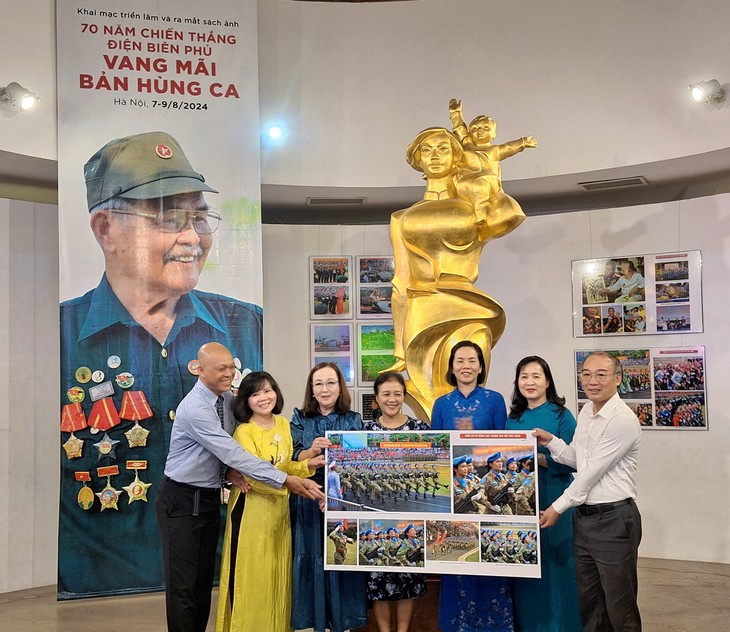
(665, 387)
(638, 294)
(160, 252)
(433, 502)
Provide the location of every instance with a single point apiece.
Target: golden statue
(437, 244)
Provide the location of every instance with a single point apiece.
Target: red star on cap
(163, 151)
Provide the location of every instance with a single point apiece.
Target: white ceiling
(601, 85)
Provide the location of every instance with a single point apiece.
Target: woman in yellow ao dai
(255, 581)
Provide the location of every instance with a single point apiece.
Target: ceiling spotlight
(14, 98)
(707, 91)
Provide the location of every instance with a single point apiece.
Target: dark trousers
(189, 544)
(606, 551)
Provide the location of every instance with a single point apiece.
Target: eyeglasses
(330, 384)
(175, 220)
(601, 376)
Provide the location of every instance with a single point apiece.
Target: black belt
(193, 487)
(588, 510)
(197, 492)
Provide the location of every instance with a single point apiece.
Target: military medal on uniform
(103, 415)
(83, 374)
(85, 497)
(101, 390)
(108, 496)
(106, 446)
(137, 489)
(76, 394)
(73, 418)
(135, 408)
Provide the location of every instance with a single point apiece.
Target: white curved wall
(599, 84)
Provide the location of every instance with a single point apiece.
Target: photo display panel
(432, 502)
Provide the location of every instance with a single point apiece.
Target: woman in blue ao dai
(472, 603)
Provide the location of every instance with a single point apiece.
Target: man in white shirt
(606, 521)
(630, 284)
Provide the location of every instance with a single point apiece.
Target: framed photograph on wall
(374, 286)
(375, 270)
(374, 301)
(375, 344)
(368, 405)
(638, 294)
(342, 360)
(665, 387)
(331, 338)
(330, 285)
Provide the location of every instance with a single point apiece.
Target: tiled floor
(674, 597)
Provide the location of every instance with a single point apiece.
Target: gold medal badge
(83, 374)
(73, 447)
(137, 436)
(137, 489)
(76, 394)
(73, 418)
(135, 408)
(108, 496)
(85, 497)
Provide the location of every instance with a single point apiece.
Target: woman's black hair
(250, 384)
(450, 378)
(519, 401)
(389, 376)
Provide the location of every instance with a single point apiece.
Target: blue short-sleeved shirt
(101, 552)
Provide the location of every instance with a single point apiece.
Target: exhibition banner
(160, 252)
(433, 502)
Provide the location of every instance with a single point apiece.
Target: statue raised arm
(479, 180)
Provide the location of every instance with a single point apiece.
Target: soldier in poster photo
(387, 477)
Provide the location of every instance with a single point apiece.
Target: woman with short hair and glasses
(321, 599)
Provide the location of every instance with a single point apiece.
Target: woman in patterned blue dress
(400, 588)
(321, 599)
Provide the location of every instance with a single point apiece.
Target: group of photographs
(331, 286)
(433, 501)
(634, 295)
(364, 348)
(664, 387)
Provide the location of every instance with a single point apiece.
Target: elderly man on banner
(128, 357)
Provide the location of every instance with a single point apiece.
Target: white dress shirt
(603, 452)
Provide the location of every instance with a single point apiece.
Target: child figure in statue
(479, 180)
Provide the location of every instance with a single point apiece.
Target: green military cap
(141, 167)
